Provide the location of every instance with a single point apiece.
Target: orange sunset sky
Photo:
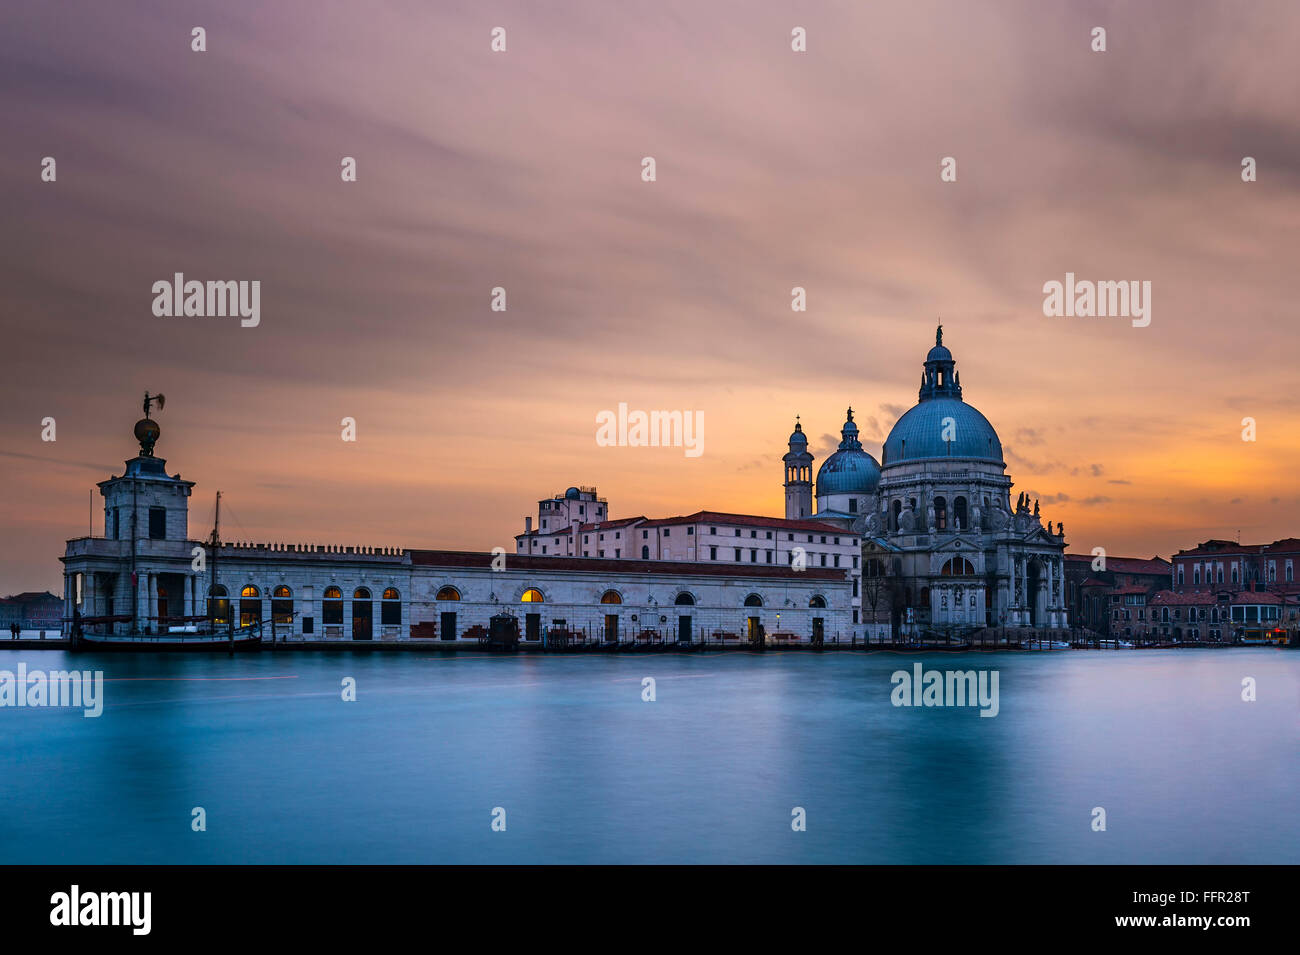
(522, 170)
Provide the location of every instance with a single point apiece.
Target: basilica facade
(944, 548)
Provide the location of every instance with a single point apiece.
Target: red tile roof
(703, 517)
(583, 529)
(750, 520)
(663, 568)
(1128, 565)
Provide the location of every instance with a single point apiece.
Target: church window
(611, 597)
(684, 600)
(532, 596)
(941, 513)
(447, 593)
(960, 520)
(753, 600)
(956, 567)
(818, 602)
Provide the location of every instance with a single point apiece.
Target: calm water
(587, 772)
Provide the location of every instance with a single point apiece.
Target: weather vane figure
(146, 429)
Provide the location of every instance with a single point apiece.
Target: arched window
(645, 553)
(332, 606)
(219, 604)
(532, 596)
(448, 593)
(684, 600)
(250, 606)
(960, 520)
(956, 567)
(361, 593)
(818, 602)
(941, 513)
(611, 597)
(390, 610)
(282, 605)
(753, 600)
(898, 509)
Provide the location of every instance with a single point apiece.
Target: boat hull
(167, 644)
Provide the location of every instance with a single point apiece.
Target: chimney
(528, 525)
(574, 525)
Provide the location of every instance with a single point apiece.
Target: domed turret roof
(850, 470)
(941, 425)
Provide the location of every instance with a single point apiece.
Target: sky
(522, 169)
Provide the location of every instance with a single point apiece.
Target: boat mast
(214, 545)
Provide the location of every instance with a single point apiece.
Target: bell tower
(798, 475)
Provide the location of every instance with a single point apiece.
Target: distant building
(31, 610)
(1092, 595)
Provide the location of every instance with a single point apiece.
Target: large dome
(920, 433)
(941, 425)
(850, 470)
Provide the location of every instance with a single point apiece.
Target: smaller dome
(572, 494)
(797, 436)
(939, 353)
(850, 470)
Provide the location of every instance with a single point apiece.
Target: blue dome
(939, 353)
(572, 494)
(919, 434)
(848, 471)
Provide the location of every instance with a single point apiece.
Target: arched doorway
(363, 615)
(684, 602)
(611, 598)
